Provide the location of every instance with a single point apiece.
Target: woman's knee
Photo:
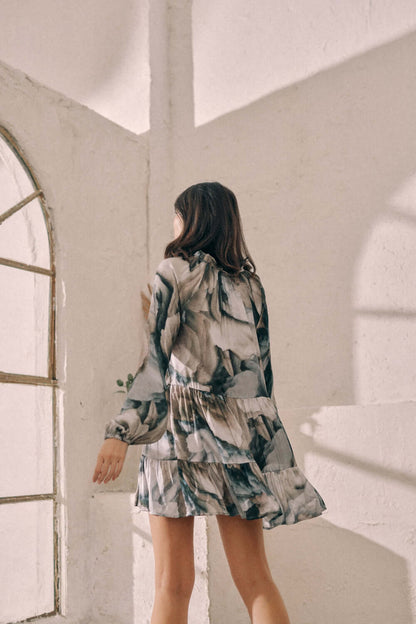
(175, 576)
(252, 583)
(175, 582)
(174, 556)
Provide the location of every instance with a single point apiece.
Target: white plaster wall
(93, 51)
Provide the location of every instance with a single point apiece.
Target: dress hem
(267, 527)
(210, 489)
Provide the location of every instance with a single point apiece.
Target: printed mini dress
(202, 403)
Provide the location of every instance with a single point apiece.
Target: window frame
(51, 379)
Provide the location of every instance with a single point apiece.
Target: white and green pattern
(202, 403)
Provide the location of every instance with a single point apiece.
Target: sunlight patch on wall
(384, 306)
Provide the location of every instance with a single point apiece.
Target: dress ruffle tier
(224, 455)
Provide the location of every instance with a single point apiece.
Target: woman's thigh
(173, 547)
(245, 551)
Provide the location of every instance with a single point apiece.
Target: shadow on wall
(314, 167)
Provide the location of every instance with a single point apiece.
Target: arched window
(28, 483)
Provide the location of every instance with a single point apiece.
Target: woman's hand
(146, 301)
(110, 460)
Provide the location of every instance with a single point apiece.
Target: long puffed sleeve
(142, 418)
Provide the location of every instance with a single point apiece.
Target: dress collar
(204, 256)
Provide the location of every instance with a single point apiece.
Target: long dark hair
(211, 223)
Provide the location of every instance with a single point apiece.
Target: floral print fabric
(203, 406)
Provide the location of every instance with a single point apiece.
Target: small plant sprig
(125, 384)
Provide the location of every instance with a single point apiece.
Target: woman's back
(222, 345)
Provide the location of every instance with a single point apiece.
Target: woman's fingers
(117, 468)
(97, 468)
(104, 463)
(114, 469)
(106, 470)
(110, 470)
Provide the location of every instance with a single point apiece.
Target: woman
(213, 441)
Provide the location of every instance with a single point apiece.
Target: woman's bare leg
(173, 548)
(244, 547)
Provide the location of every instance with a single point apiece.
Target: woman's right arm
(145, 408)
(263, 337)
(143, 414)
